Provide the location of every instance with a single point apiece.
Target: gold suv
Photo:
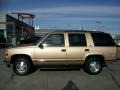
(92, 49)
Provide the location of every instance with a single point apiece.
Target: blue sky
(70, 14)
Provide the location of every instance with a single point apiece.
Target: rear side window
(77, 40)
(102, 39)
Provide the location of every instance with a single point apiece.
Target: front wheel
(93, 65)
(21, 66)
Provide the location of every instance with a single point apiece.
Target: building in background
(13, 29)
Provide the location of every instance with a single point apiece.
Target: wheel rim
(94, 66)
(21, 67)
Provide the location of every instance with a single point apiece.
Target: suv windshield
(40, 39)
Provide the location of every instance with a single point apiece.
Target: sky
(103, 15)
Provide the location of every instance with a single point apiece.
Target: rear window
(102, 39)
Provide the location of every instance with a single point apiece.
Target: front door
(53, 49)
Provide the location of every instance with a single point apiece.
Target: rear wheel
(93, 65)
(22, 66)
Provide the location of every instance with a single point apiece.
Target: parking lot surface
(60, 79)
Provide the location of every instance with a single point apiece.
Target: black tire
(93, 65)
(22, 66)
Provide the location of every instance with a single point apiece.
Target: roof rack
(78, 31)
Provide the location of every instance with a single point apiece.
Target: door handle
(87, 50)
(63, 50)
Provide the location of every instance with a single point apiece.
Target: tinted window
(54, 40)
(1, 33)
(77, 40)
(102, 39)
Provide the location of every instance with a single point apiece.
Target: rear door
(76, 46)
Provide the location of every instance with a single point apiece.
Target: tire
(93, 65)
(22, 66)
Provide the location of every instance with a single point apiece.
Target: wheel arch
(98, 56)
(20, 55)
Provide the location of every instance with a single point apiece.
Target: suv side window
(77, 40)
(54, 40)
(102, 39)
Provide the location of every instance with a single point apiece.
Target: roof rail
(78, 31)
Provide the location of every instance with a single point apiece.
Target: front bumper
(118, 59)
(8, 63)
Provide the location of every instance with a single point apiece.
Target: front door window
(54, 40)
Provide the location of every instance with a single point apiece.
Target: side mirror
(41, 46)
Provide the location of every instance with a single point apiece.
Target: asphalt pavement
(63, 79)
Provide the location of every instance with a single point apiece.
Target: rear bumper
(112, 60)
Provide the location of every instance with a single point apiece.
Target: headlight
(6, 53)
